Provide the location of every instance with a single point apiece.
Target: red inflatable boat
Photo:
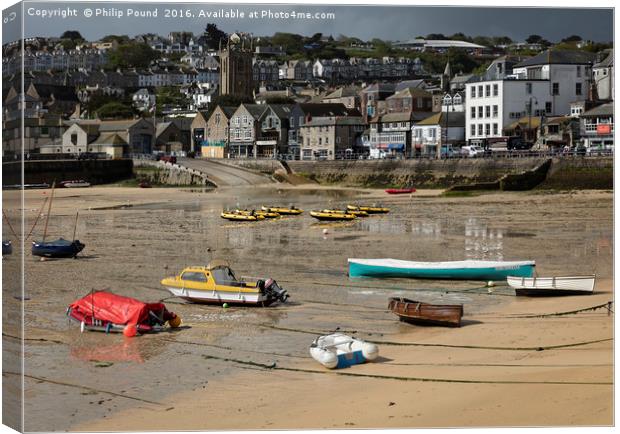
(107, 312)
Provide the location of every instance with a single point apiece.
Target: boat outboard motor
(273, 290)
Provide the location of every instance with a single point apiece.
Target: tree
(121, 39)
(214, 36)
(534, 39)
(72, 34)
(435, 36)
(136, 55)
(572, 38)
(115, 110)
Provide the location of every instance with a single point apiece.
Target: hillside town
(219, 95)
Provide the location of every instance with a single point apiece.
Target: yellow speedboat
(216, 283)
(327, 214)
(233, 215)
(266, 214)
(369, 209)
(284, 211)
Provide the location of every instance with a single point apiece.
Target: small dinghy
(74, 183)
(283, 210)
(330, 215)
(236, 216)
(369, 209)
(560, 285)
(59, 248)
(266, 214)
(463, 270)
(356, 213)
(107, 312)
(400, 190)
(340, 351)
(415, 312)
(7, 247)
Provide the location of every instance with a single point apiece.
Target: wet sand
(245, 368)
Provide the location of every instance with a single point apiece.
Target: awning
(396, 146)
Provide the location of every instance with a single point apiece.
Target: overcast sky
(365, 22)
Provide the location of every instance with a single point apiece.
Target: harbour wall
(93, 171)
(515, 173)
(163, 173)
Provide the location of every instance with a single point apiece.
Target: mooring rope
(418, 344)
(81, 386)
(274, 366)
(585, 309)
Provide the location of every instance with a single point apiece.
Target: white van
(472, 151)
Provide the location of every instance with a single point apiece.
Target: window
(473, 91)
(472, 129)
(495, 130)
(194, 277)
(528, 88)
(420, 102)
(473, 112)
(548, 107)
(578, 70)
(217, 118)
(320, 141)
(74, 139)
(487, 129)
(487, 110)
(488, 90)
(327, 140)
(479, 129)
(495, 90)
(480, 111)
(499, 70)
(577, 88)
(480, 91)
(495, 111)
(556, 89)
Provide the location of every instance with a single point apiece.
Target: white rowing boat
(559, 285)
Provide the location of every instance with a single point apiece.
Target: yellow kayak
(332, 215)
(266, 214)
(232, 215)
(357, 213)
(369, 209)
(283, 211)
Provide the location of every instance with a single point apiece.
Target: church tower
(446, 77)
(236, 75)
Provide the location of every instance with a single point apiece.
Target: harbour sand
(243, 368)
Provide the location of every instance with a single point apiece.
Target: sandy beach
(516, 361)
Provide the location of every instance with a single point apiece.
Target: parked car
(518, 144)
(167, 158)
(472, 151)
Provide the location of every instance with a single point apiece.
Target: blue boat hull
(482, 273)
(57, 249)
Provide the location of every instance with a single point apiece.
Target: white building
(445, 129)
(603, 75)
(568, 73)
(492, 105)
(545, 84)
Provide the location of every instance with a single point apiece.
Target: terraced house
(211, 136)
(244, 130)
(331, 138)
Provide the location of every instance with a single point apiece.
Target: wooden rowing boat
(416, 312)
(559, 285)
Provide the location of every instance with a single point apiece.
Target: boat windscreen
(223, 275)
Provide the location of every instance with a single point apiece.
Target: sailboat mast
(49, 210)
